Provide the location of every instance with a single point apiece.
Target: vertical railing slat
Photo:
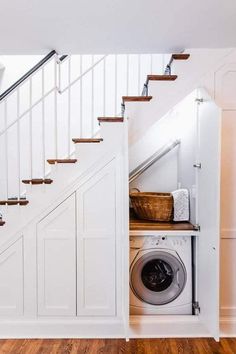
(92, 99)
(18, 142)
(115, 103)
(55, 112)
(31, 129)
(43, 125)
(104, 87)
(69, 108)
(127, 75)
(139, 73)
(163, 63)
(6, 149)
(81, 98)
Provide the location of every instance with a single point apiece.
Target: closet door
(208, 182)
(56, 247)
(96, 226)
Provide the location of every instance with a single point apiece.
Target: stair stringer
(67, 178)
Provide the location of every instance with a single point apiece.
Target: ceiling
(115, 26)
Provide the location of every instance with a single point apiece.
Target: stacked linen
(181, 205)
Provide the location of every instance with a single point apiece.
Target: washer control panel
(157, 241)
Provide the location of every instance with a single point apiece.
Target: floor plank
(118, 346)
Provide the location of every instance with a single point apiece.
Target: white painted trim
(112, 328)
(167, 327)
(57, 328)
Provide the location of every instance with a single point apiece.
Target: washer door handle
(177, 277)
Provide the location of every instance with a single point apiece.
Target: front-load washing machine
(160, 275)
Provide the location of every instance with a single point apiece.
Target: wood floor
(118, 346)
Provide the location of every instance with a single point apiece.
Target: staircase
(45, 148)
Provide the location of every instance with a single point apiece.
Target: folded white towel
(181, 205)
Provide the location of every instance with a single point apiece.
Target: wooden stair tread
(54, 161)
(86, 140)
(2, 222)
(161, 77)
(111, 119)
(14, 202)
(180, 56)
(136, 98)
(37, 181)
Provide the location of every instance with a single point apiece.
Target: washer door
(158, 277)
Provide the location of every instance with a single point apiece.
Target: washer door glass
(158, 277)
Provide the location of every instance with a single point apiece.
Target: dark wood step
(161, 77)
(14, 202)
(136, 98)
(111, 119)
(84, 140)
(180, 56)
(37, 181)
(2, 222)
(54, 161)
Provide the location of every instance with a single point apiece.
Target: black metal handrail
(28, 74)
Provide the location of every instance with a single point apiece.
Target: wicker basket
(153, 206)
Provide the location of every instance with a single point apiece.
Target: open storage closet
(174, 266)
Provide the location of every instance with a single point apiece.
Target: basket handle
(134, 189)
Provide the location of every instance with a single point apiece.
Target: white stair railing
(59, 101)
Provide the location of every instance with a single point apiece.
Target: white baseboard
(227, 327)
(47, 328)
(58, 328)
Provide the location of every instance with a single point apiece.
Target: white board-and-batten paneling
(56, 261)
(96, 247)
(12, 280)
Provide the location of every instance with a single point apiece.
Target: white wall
(160, 177)
(15, 66)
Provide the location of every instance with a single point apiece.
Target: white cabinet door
(56, 244)
(208, 177)
(96, 226)
(11, 280)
